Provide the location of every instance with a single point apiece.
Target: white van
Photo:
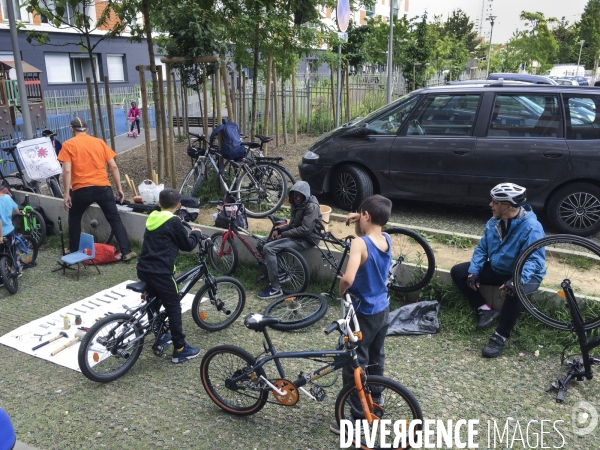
(566, 70)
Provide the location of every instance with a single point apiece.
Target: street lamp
(491, 19)
(415, 64)
(579, 59)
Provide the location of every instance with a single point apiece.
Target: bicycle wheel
(294, 275)
(193, 179)
(9, 277)
(297, 311)
(413, 262)
(35, 226)
(110, 348)
(391, 401)
(215, 308)
(26, 251)
(54, 188)
(567, 257)
(93, 222)
(222, 363)
(223, 256)
(291, 180)
(263, 189)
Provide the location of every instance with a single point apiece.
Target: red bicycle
(294, 275)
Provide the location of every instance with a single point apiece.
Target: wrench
(122, 295)
(111, 297)
(95, 304)
(102, 300)
(76, 309)
(87, 306)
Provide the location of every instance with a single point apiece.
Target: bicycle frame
(235, 231)
(32, 186)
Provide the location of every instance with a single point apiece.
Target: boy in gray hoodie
(299, 233)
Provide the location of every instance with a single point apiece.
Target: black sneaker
(494, 347)
(162, 342)
(185, 354)
(485, 318)
(270, 292)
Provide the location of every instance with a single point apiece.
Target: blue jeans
(104, 197)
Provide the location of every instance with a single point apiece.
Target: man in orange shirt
(85, 181)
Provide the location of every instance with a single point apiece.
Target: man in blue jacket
(513, 227)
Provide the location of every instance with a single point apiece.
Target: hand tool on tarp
(60, 335)
(78, 336)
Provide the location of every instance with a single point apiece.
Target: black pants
(137, 123)
(104, 197)
(512, 306)
(165, 288)
(370, 352)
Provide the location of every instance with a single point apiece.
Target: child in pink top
(134, 116)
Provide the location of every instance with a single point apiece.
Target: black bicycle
(113, 345)
(568, 297)
(17, 253)
(237, 382)
(413, 266)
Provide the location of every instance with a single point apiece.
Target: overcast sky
(507, 11)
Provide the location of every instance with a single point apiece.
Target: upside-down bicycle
(236, 381)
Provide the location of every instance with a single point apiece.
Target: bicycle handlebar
(331, 328)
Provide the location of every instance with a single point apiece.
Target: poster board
(38, 158)
(109, 300)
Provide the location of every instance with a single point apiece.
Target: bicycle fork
(366, 400)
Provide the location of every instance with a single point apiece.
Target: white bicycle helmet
(509, 192)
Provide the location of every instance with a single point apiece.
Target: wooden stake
(145, 118)
(92, 109)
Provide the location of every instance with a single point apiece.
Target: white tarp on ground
(98, 305)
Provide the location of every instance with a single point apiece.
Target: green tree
(567, 37)
(537, 43)
(75, 14)
(418, 50)
(460, 27)
(589, 30)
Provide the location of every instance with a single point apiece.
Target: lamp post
(579, 59)
(491, 19)
(415, 64)
(388, 90)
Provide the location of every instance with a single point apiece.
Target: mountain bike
(237, 382)
(261, 185)
(16, 254)
(294, 274)
(255, 151)
(568, 297)
(413, 266)
(113, 345)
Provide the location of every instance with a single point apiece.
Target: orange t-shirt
(88, 157)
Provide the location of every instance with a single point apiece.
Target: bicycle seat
(251, 144)
(258, 322)
(140, 287)
(276, 220)
(263, 139)
(197, 136)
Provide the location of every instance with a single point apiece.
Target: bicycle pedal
(318, 392)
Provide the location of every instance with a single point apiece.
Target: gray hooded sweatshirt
(303, 216)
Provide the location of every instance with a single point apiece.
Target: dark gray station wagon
(454, 143)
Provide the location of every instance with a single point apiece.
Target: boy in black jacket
(298, 234)
(163, 238)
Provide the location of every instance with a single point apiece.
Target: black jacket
(163, 238)
(303, 216)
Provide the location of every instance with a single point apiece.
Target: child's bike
(113, 345)
(237, 382)
(16, 254)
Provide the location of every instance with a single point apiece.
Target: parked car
(535, 79)
(581, 81)
(454, 143)
(566, 82)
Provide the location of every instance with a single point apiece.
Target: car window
(445, 115)
(525, 115)
(583, 116)
(392, 120)
(390, 106)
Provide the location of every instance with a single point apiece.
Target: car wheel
(351, 185)
(575, 209)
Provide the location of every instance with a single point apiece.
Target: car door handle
(553, 154)
(462, 151)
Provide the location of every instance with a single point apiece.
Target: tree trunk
(283, 118)
(333, 105)
(176, 105)
(205, 97)
(255, 82)
(275, 107)
(294, 112)
(230, 113)
(95, 78)
(233, 113)
(267, 111)
(218, 100)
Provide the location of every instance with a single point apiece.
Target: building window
(21, 13)
(69, 15)
(69, 67)
(116, 67)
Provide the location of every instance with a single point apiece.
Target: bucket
(325, 212)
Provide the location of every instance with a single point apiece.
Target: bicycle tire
(291, 179)
(55, 189)
(221, 362)
(94, 355)
(567, 257)
(297, 311)
(228, 262)
(10, 280)
(27, 257)
(209, 308)
(294, 275)
(192, 181)
(266, 197)
(398, 404)
(409, 247)
(35, 226)
(93, 222)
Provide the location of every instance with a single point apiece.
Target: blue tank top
(370, 281)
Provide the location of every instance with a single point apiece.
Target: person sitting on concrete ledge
(513, 227)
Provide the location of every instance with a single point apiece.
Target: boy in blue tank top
(365, 278)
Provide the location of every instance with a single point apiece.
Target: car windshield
(378, 112)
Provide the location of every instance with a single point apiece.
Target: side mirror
(362, 131)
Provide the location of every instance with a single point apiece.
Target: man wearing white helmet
(513, 227)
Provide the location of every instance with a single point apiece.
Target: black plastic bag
(415, 318)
